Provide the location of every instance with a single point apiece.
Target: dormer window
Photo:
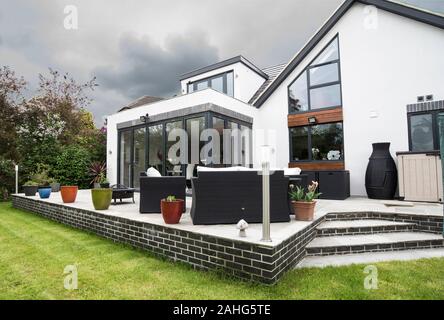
(223, 82)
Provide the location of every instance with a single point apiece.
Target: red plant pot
(69, 193)
(171, 210)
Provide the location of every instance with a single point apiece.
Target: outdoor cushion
(153, 172)
(292, 171)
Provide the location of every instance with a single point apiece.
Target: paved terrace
(279, 231)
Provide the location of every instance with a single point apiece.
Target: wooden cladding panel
(323, 116)
(307, 166)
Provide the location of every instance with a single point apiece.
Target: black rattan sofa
(153, 189)
(225, 197)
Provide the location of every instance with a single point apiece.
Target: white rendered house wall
(246, 81)
(382, 69)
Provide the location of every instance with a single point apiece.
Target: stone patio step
(392, 241)
(365, 226)
(371, 257)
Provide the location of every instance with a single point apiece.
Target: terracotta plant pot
(69, 193)
(304, 211)
(171, 210)
(101, 198)
(30, 191)
(44, 192)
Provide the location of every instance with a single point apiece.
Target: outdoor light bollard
(16, 178)
(441, 143)
(266, 194)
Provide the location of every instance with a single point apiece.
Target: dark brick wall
(239, 259)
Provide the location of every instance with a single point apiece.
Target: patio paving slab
(381, 238)
(340, 224)
(366, 258)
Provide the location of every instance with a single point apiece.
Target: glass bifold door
(144, 147)
(148, 146)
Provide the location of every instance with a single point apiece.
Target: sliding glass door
(132, 156)
(125, 157)
(155, 148)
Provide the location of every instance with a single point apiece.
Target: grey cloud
(145, 68)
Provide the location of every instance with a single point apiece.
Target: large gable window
(319, 85)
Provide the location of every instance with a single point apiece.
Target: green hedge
(71, 167)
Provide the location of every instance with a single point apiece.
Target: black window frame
(435, 128)
(209, 79)
(309, 141)
(310, 87)
(207, 115)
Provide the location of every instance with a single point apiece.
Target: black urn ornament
(381, 177)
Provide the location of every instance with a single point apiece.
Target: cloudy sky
(140, 47)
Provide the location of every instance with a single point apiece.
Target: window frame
(209, 79)
(435, 129)
(309, 141)
(310, 87)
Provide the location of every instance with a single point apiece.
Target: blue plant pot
(44, 193)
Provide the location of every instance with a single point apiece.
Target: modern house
(374, 72)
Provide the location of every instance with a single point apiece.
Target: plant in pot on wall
(42, 179)
(30, 188)
(101, 198)
(97, 170)
(171, 209)
(303, 202)
(69, 193)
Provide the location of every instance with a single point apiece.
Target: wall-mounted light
(420, 99)
(429, 97)
(145, 118)
(312, 120)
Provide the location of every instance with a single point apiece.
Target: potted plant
(55, 186)
(303, 202)
(44, 192)
(69, 193)
(171, 209)
(101, 198)
(30, 188)
(104, 183)
(97, 170)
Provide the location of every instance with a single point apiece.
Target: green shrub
(71, 167)
(7, 178)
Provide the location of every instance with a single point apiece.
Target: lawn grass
(34, 252)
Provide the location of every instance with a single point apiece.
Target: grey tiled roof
(272, 73)
(141, 102)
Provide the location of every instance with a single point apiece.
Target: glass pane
(297, 94)
(246, 146)
(325, 97)
(327, 142)
(218, 152)
(328, 54)
(324, 74)
(234, 145)
(155, 157)
(202, 85)
(421, 131)
(299, 143)
(173, 165)
(190, 87)
(194, 143)
(230, 84)
(139, 155)
(125, 158)
(218, 83)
